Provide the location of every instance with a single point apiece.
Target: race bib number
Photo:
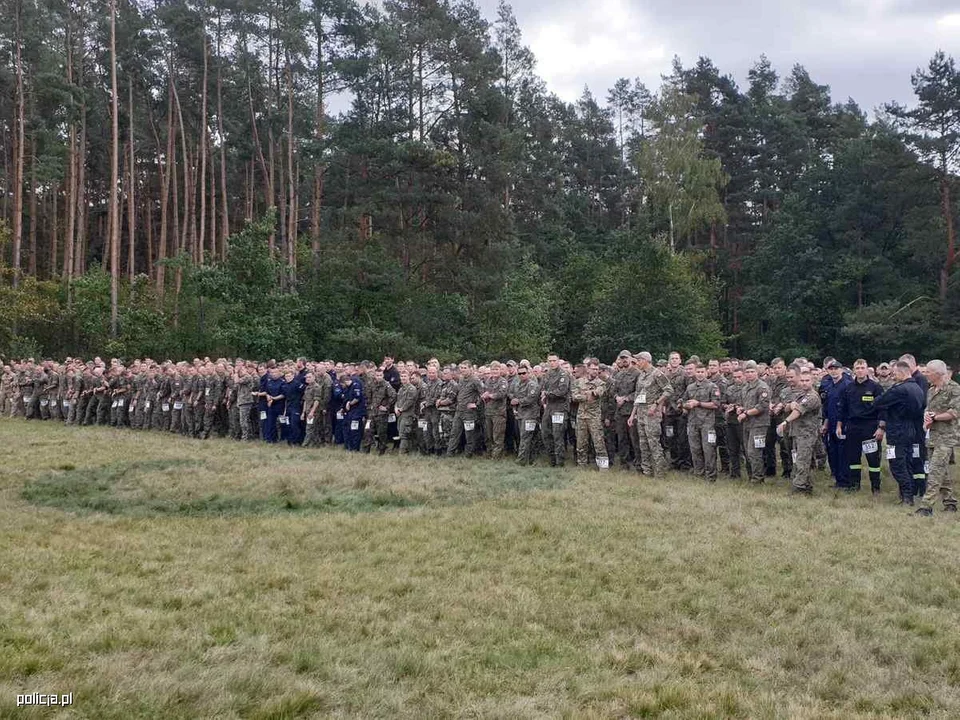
(557, 418)
(120, 402)
(284, 420)
(759, 442)
(309, 421)
(113, 404)
(206, 393)
(354, 424)
(367, 426)
(165, 407)
(28, 399)
(133, 406)
(178, 406)
(928, 434)
(146, 405)
(712, 438)
(44, 403)
(916, 451)
(641, 399)
(263, 414)
(603, 463)
(529, 425)
(870, 446)
(66, 403)
(391, 418)
(422, 424)
(926, 468)
(339, 415)
(469, 425)
(891, 453)
(793, 454)
(669, 431)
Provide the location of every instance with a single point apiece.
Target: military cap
(883, 366)
(750, 365)
(643, 355)
(834, 364)
(624, 354)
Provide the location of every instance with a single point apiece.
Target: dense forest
(336, 179)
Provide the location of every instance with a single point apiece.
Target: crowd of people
(708, 418)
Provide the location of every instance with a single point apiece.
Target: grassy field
(160, 578)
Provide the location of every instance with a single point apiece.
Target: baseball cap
(624, 354)
(834, 364)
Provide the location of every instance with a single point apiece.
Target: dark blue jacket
(262, 401)
(858, 404)
(293, 392)
(830, 393)
(274, 387)
(902, 408)
(354, 392)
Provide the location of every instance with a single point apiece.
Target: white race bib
(133, 406)
(712, 437)
(603, 463)
(916, 451)
(146, 405)
(66, 403)
(113, 404)
(120, 402)
(641, 399)
(870, 446)
(178, 406)
(391, 418)
(928, 434)
(422, 424)
(165, 407)
(309, 421)
(263, 414)
(793, 454)
(926, 468)
(284, 420)
(891, 453)
(367, 426)
(44, 403)
(339, 415)
(529, 425)
(28, 399)
(759, 442)
(557, 418)
(354, 424)
(468, 425)
(669, 431)
(206, 392)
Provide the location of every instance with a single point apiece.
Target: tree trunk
(32, 210)
(202, 150)
(114, 176)
(947, 210)
(291, 181)
(18, 149)
(167, 173)
(225, 208)
(54, 232)
(131, 196)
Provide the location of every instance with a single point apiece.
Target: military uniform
(379, 393)
(804, 433)
(589, 396)
(246, 386)
(408, 400)
(555, 389)
(651, 392)
(464, 423)
(625, 385)
(495, 414)
(942, 438)
(213, 390)
(701, 428)
(756, 395)
(432, 444)
(528, 411)
(447, 399)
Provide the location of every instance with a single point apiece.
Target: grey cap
(749, 365)
(624, 354)
(644, 355)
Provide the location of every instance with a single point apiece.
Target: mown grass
(489, 591)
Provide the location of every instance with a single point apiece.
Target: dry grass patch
(599, 596)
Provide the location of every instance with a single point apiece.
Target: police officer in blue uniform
(857, 424)
(273, 387)
(354, 411)
(898, 409)
(262, 405)
(293, 386)
(831, 389)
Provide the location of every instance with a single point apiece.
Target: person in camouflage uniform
(700, 401)
(753, 414)
(213, 397)
(526, 404)
(652, 393)
(942, 424)
(432, 444)
(555, 398)
(380, 399)
(464, 423)
(623, 391)
(405, 409)
(588, 392)
(495, 392)
(446, 404)
(802, 426)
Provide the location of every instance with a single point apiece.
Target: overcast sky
(864, 49)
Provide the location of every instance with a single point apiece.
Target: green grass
(156, 577)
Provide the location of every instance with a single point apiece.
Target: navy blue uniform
(858, 413)
(292, 428)
(354, 416)
(262, 406)
(899, 407)
(273, 387)
(336, 412)
(919, 464)
(830, 393)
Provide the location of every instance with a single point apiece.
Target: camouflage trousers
(431, 434)
(376, 429)
(804, 447)
(463, 426)
(755, 442)
(553, 430)
(627, 442)
(702, 437)
(233, 421)
(496, 431)
(407, 428)
(648, 428)
(176, 416)
(312, 430)
(939, 478)
(528, 433)
(589, 428)
(247, 429)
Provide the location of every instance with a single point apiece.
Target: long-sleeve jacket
(901, 407)
(858, 404)
(528, 400)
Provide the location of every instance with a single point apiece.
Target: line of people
(706, 418)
